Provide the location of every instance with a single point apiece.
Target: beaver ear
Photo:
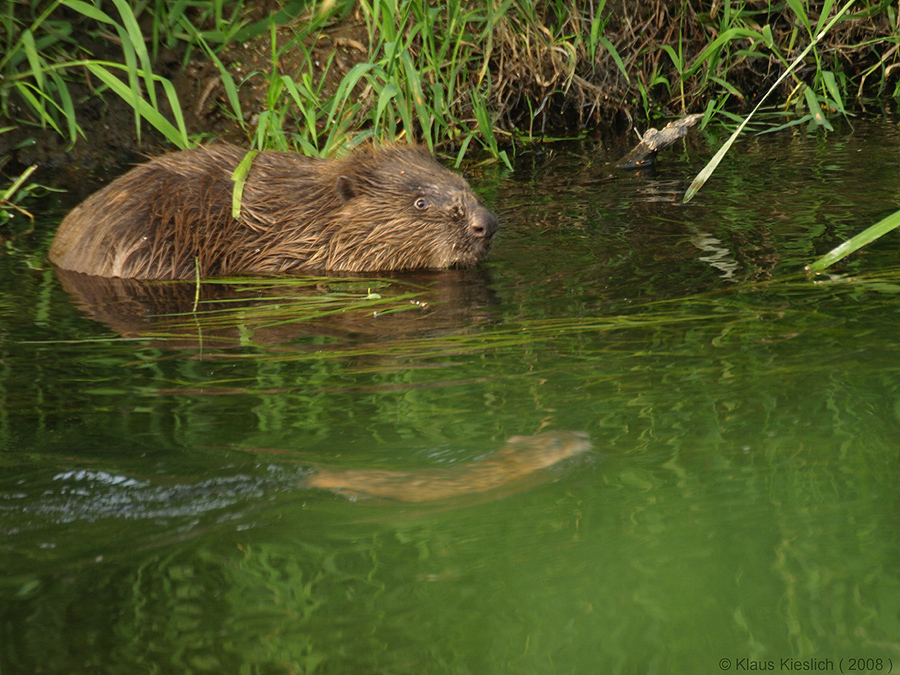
(345, 187)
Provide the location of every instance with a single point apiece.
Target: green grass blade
(833, 89)
(31, 53)
(240, 177)
(415, 86)
(615, 57)
(306, 103)
(673, 55)
(263, 125)
(797, 7)
(800, 121)
(348, 82)
(89, 11)
(727, 86)
(387, 94)
(175, 105)
(141, 107)
(7, 194)
(823, 14)
(483, 119)
(867, 236)
(136, 40)
(231, 90)
(68, 107)
(727, 36)
(812, 103)
(37, 106)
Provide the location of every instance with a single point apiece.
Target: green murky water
(740, 509)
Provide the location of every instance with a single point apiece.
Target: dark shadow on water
(237, 312)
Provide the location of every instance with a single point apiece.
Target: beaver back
(378, 210)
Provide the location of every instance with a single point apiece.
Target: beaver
(385, 209)
(518, 458)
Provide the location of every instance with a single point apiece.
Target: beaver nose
(484, 224)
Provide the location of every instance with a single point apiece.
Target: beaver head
(401, 209)
(385, 209)
(542, 450)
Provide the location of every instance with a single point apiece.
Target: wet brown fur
(520, 457)
(377, 210)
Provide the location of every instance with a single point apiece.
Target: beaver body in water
(393, 208)
(520, 457)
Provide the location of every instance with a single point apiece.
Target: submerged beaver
(520, 457)
(394, 208)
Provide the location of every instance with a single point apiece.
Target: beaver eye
(421, 203)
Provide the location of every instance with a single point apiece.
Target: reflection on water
(91, 495)
(223, 313)
(152, 500)
(719, 256)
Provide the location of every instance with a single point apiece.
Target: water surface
(740, 501)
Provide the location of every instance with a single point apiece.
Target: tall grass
(455, 76)
(28, 70)
(416, 82)
(449, 75)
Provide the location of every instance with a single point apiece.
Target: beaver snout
(484, 224)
